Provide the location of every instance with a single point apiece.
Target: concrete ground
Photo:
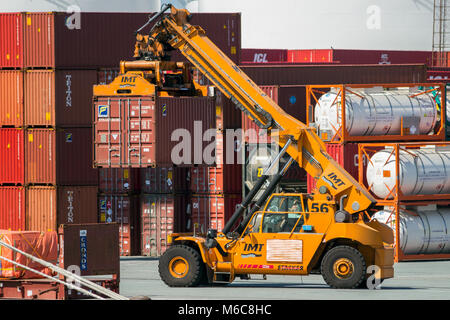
(425, 280)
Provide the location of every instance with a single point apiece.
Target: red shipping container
(165, 180)
(249, 56)
(137, 132)
(266, 75)
(43, 245)
(438, 75)
(346, 155)
(118, 180)
(11, 40)
(311, 56)
(59, 98)
(11, 98)
(161, 214)
(59, 157)
(211, 211)
(12, 208)
(12, 156)
(123, 209)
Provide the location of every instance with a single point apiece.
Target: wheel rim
(178, 267)
(343, 268)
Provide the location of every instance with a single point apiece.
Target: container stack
(217, 189)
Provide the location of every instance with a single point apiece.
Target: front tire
(343, 267)
(181, 266)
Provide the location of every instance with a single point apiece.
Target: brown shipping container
(101, 40)
(165, 180)
(346, 155)
(137, 132)
(211, 211)
(59, 157)
(124, 210)
(11, 98)
(59, 98)
(12, 156)
(228, 116)
(100, 240)
(106, 76)
(48, 206)
(266, 75)
(160, 216)
(118, 180)
(12, 208)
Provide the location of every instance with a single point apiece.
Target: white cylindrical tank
(423, 230)
(421, 171)
(379, 113)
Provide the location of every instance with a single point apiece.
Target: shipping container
(228, 116)
(161, 214)
(250, 56)
(226, 175)
(12, 208)
(164, 180)
(139, 132)
(310, 56)
(59, 98)
(106, 76)
(266, 75)
(210, 211)
(11, 98)
(12, 156)
(59, 157)
(346, 155)
(124, 210)
(118, 180)
(95, 40)
(11, 40)
(49, 206)
(438, 75)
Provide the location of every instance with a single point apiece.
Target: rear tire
(343, 267)
(181, 266)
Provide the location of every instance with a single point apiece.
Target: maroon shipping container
(137, 132)
(438, 75)
(228, 116)
(123, 209)
(94, 40)
(59, 98)
(59, 157)
(381, 56)
(106, 76)
(161, 214)
(211, 211)
(118, 180)
(165, 180)
(49, 206)
(226, 176)
(12, 156)
(266, 75)
(11, 40)
(12, 208)
(346, 155)
(250, 56)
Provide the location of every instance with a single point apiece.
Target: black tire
(191, 267)
(343, 267)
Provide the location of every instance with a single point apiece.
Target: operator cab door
(275, 240)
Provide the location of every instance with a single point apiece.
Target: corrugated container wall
(41, 208)
(12, 156)
(266, 75)
(118, 180)
(250, 56)
(59, 157)
(11, 40)
(11, 98)
(160, 216)
(165, 180)
(12, 208)
(94, 40)
(59, 98)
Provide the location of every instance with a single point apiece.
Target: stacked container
(217, 189)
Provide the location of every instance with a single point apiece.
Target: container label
(68, 137)
(164, 110)
(103, 111)
(83, 249)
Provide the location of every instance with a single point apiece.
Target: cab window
(285, 204)
(254, 223)
(281, 222)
